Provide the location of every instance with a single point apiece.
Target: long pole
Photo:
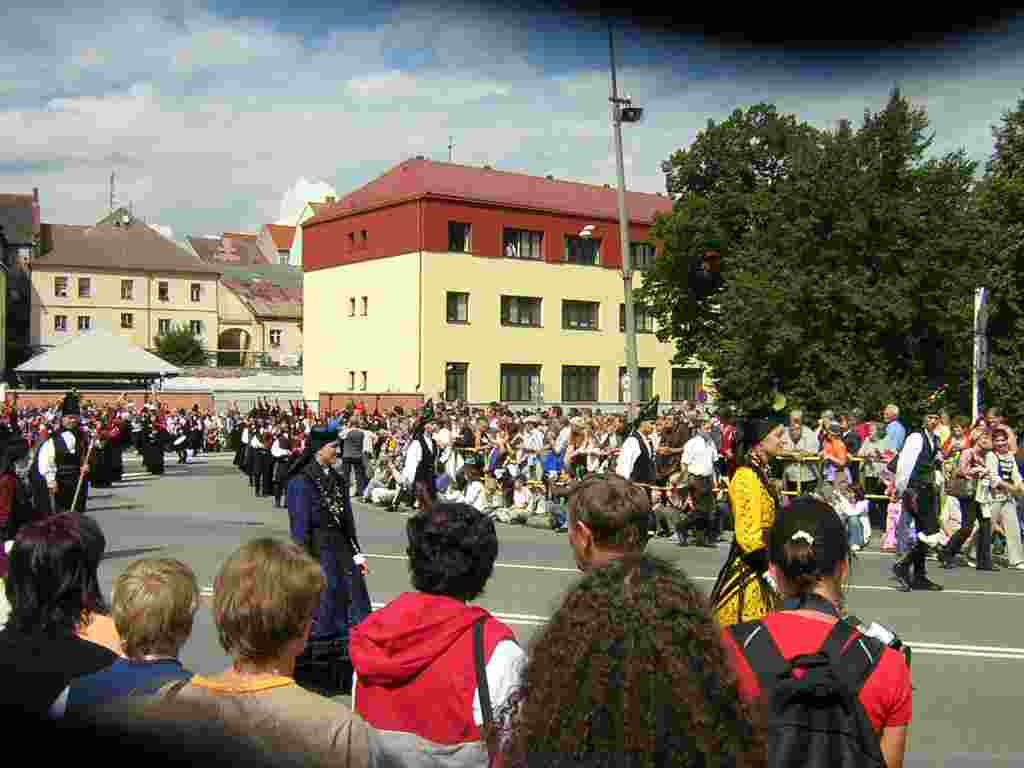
(632, 395)
(980, 330)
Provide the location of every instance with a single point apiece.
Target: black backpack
(818, 719)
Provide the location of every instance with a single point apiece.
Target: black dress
(153, 449)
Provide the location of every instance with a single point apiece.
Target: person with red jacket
(415, 660)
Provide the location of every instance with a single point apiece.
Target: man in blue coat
(321, 521)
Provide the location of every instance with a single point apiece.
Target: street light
(623, 111)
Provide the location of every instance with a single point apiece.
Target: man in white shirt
(61, 466)
(799, 439)
(534, 445)
(698, 461)
(563, 436)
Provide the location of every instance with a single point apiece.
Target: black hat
(755, 427)
(320, 437)
(70, 406)
(647, 412)
(426, 416)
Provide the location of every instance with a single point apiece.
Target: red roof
(282, 235)
(418, 177)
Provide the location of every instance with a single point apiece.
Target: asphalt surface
(968, 641)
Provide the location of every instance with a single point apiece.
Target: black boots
(985, 545)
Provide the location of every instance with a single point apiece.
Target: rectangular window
(275, 337)
(456, 377)
(686, 384)
(641, 255)
(646, 384)
(60, 287)
(197, 291)
(458, 307)
(366, 303)
(579, 383)
(127, 320)
(351, 241)
(520, 310)
(582, 250)
(163, 327)
(127, 290)
(351, 307)
(84, 322)
(644, 320)
(363, 388)
(459, 240)
(351, 380)
(282, 258)
(520, 383)
(196, 327)
(60, 323)
(362, 234)
(580, 315)
(84, 287)
(523, 244)
(163, 291)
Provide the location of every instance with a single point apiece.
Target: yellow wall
(105, 306)
(383, 343)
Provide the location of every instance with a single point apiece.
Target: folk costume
(636, 459)
(102, 474)
(419, 470)
(321, 521)
(742, 592)
(919, 460)
(60, 460)
(154, 447)
(281, 454)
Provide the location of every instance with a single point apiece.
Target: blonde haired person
(155, 602)
(264, 600)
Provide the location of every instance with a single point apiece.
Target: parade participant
(102, 473)
(320, 515)
(915, 485)
(281, 453)
(997, 494)
(742, 591)
(266, 481)
(636, 459)
(253, 455)
(353, 440)
(61, 466)
(154, 446)
(118, 444)
(418, 472)
(698, 461)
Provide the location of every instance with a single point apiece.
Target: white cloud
(298, 194)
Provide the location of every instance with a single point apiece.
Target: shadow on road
(117, 554)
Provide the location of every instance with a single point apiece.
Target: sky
(227, 116)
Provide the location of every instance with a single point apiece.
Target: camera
(883, 634)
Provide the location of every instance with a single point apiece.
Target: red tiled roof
(265, 299)
(417, 177)
(282, 235)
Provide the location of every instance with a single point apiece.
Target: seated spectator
(155, 602)
(415, 659)
(630, 671)
(264, 599)
(48, 587)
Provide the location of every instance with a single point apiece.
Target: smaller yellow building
(260, 316)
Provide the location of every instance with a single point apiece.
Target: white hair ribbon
(804, 536)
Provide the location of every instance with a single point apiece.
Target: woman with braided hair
(630, 671)
(742, 591)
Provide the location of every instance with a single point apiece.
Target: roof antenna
(451, 147)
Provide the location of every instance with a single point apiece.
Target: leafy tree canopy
(180, 347)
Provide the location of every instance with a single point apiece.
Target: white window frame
(163, 326)
(166, 297)
(363, 387)
(366, 306)
(352, 306)
(131, 290)
(88, 293)
(195, 292)
(60, 327)
(67, 284)
(351, 381)
(448, 295)
(131, 321)
(279, 334)
(516, 242)
(88, 322)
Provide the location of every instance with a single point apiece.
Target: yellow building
(123, 277)
(467, 283)
(261, 316)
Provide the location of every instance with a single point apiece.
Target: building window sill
(519, 325)
(587, 330)
(458, 322)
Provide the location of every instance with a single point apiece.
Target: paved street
(968, 656)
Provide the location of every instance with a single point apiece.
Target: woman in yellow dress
(742, 593)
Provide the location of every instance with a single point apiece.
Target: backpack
(818, 719)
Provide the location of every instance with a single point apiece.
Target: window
(127, 320)
(582, 250)
(351, 380)
(523, 244)
(455, 380)
(197, 291)
(351, 307)
(459, 240)
(60, 323)
(84, 322)
(641, 255)
(458, 307)
(282, 258)
(127, 290)
(365, 305)
(84, 287)
(520, 310)
(351, 241)
(364, 381)
(579, 383)
(646, 384)
(275, 337)
(644, 320)
(196, 327)
(163, 327)
(163, 291)
(580, 315)
(520, 383)
(686, 384)
(60, 287)
(362, 234)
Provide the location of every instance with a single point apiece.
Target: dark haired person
(607, 519)
(809, 553)
(48, 587)
(630, 670)
(742, 591)
(414, 659)
(60, 464)
(919, 459)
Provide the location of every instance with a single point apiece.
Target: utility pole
(111, 191)
(450, 148)
(631, 395)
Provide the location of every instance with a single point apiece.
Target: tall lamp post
(623, 111)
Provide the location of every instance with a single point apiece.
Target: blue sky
(228, 116)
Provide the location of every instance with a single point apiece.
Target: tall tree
(844, 256)
(180, 346)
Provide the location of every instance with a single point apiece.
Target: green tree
(179, 346)
(845, 260)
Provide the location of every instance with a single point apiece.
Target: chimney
(549, 177)
(330, 199)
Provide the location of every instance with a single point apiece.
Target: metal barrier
(813, 458)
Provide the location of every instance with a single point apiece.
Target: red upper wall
(390, 231)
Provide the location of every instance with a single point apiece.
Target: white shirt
(412, 460)
(908, 459)
(369, 439)
(563, 438)
(47, 460)
(699, 456)
(475, 496)
(277, 451)
(629, 454)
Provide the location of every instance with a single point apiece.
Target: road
(968, 641)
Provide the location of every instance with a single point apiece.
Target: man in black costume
(636, 459)
(60, 465)
(419, 470)
(154, 446)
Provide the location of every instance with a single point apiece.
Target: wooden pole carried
(81, 476)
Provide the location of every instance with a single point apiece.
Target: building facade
(308, 212)
(260, 317)
(466, 283)
(19, 244)
(123, 277)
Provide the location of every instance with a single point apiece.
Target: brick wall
(372, 401)
(43, 398)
